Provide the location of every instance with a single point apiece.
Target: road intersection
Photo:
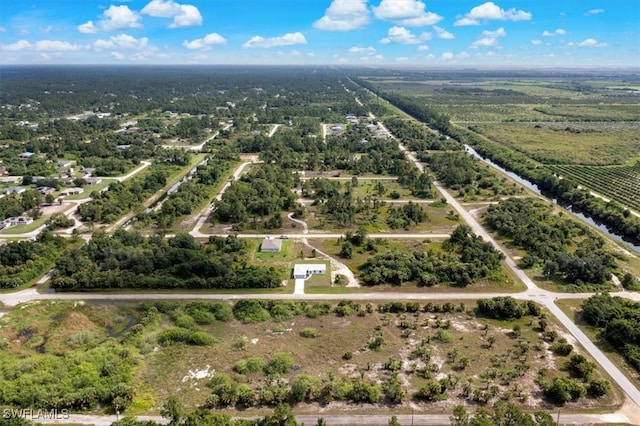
(532, 292)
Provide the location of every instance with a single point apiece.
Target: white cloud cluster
(114, 18)
(366, 54)
(184, 15)
(204, 43)
(42, 46)
(344, 15)
(123, 41)
(406, 12)
(590, 42)
(594, 12)
(402, 35)
(442, 33)
(489, 11)
(557, 32)
(288, 39)
(488, 38)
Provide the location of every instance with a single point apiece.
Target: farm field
(619, 183)
(566, 123)
(566, 143)
(314, 355)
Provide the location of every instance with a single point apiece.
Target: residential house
(26, 154)
(66, 180)
(92, 180)
(14, 221)
(271, 245)
(303, 271)
(71, 191)
(46, 190)
(15, 190)
(64, 163)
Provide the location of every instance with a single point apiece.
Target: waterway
(579, 214)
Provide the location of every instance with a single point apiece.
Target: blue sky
(498, 34)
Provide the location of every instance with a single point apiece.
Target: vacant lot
(350, 356)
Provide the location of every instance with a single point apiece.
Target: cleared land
(429, 358)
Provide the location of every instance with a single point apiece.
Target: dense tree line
(128, 260)
(263, 192)
(121, 197)
(413, 107)
(467, 175)
(191, 194)
(467, 258)
(23, 261)
(549, 240)
(618, 321)
(13, 205)
(418, 137)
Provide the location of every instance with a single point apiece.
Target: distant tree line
(128, 260)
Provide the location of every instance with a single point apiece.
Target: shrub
(255, 364)
(309, 332)
(562, 347)
(279, 365)
(250, 311)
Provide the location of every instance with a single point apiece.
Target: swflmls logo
(35, 414)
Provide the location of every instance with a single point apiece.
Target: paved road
(206, 212)
(544, 297)
(532, 293)
(360, 419)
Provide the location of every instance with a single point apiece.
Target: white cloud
(406, 12)
(447, 55)
(42, 46)
(442, 33)
(489, 11)
(161, 9)
(288, 39)
(500, 32)
(206, 42)
(184, 15)
(536, 42)
(423, 48)
(344, 15)
(56, 46)
(358, 50)
(559, 31)
(17, 46)
(590, 42)
(463, 55)
(402, 35)
(46, 30)
(489, 38)
(594, 12)
(118, 56)
(401, 59)
(119, 17)
(123, 41)
(87, 28)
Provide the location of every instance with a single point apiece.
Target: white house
(271, 245)
(305, 270)
(72, 191)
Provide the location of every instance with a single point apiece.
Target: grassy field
(600, 144)
(480, 359)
